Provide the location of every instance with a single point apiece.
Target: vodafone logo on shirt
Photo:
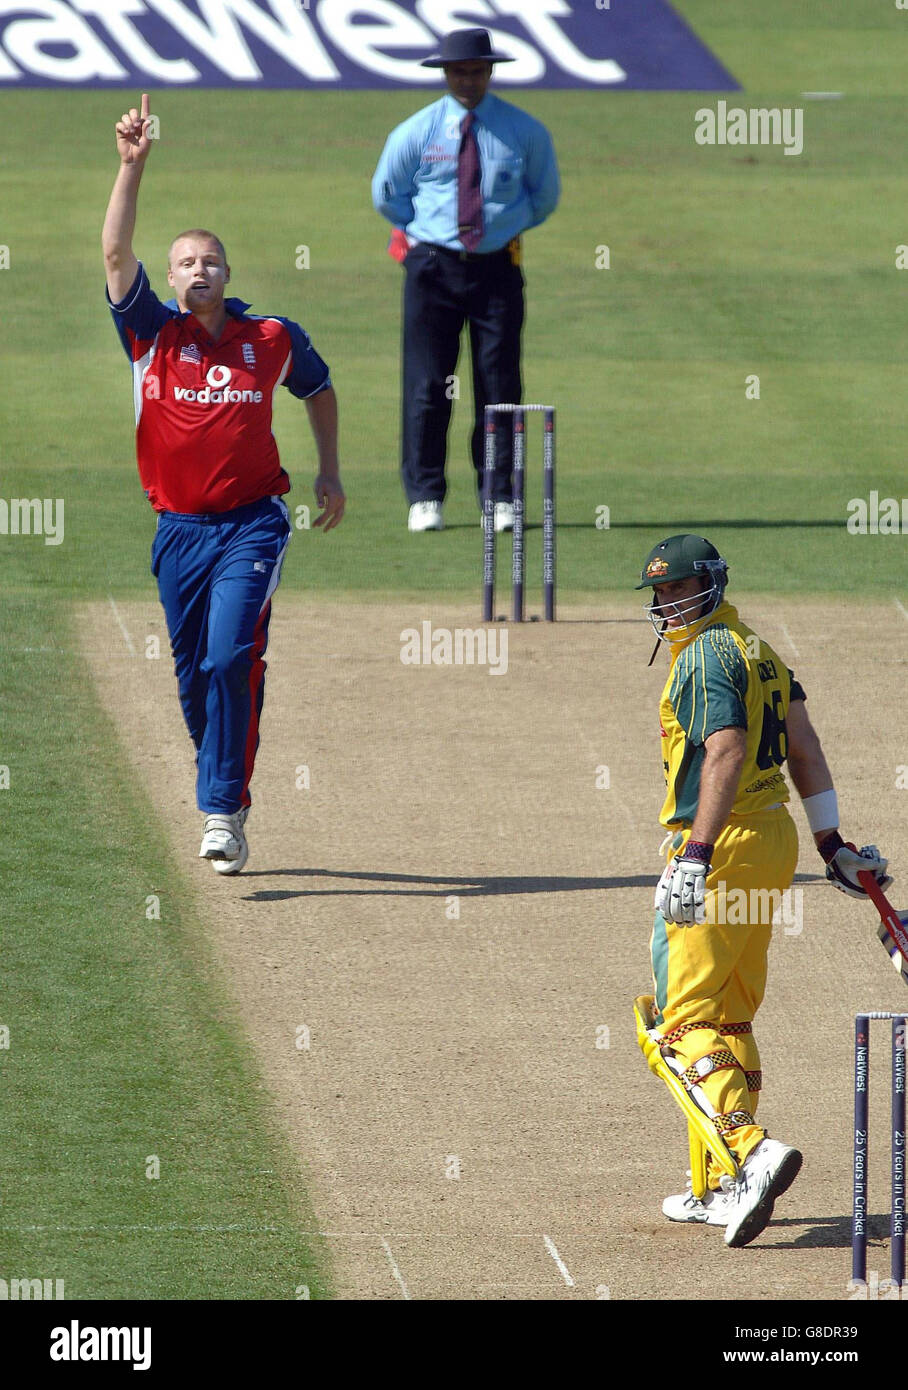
(218, 390)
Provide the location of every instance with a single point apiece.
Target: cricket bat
(893, 928)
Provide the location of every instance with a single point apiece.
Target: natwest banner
(338, 44)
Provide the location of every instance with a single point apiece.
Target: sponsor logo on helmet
(656, 567)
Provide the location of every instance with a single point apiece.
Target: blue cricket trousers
(216, 574)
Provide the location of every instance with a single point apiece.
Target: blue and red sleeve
(139, 316)
(308, 374)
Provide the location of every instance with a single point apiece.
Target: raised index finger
(144, 106)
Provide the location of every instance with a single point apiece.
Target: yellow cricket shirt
(725, 677)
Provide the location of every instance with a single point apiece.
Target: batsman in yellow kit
(732, 715)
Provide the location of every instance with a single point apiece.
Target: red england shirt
(203, 408)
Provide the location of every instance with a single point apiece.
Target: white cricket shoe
(504, 516)
(224, 842)
(710, 1210)
(425, 516)
(769, 1170)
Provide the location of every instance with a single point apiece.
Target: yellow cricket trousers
(710, 979)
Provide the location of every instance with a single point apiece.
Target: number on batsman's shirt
(203, 408)
(726, 677)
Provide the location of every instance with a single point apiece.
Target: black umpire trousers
(442, 290)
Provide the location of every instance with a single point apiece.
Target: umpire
(460, 181)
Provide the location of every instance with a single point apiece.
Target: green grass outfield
(122, 1046)
(725, 262)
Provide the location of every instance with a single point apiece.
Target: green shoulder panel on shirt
(797, 690)
(709, 685)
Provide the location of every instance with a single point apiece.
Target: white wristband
(822, 810)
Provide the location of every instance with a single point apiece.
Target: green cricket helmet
(683, 557)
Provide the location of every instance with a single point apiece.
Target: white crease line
(620, 800)
(126, 637)
(394, 1270)
(562, 1267)
(902, 609)
(790, 640)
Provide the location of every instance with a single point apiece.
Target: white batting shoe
(712, 1209)
(769, 1170)
(224, 842)
(425, 516)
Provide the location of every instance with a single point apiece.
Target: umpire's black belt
(456, 255)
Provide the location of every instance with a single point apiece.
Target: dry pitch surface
(458, 915)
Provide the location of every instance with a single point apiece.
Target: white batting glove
(847, 862)
(681, 891)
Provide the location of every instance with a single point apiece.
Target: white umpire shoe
(504, 516)
(224, 842)
(769, 1170)
(710, 1210)
(425, 516)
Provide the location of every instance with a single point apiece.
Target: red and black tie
(469, 190)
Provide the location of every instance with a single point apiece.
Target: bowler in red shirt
(205, 372)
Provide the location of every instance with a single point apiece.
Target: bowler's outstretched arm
(133, 145)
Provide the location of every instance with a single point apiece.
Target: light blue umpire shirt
(415, 184)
